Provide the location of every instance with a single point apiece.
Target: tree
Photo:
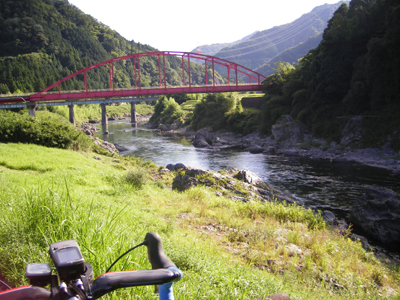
(214, 110)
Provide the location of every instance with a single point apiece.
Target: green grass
(227, 249)
(85, 113)
(189, 105)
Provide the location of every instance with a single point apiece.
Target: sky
(182, 25)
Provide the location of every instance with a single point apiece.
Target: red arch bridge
(238, 79)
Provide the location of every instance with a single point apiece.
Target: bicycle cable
(2, 283)
(141, 244)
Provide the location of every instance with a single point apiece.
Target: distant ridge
(290, 55)
(214, 48)
(264, 47)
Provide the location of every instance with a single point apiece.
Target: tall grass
(227, 249)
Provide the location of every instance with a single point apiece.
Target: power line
(283, 28)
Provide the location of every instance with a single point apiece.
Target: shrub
(214, 110)
(47, 129)
(136, 177)
(166, 111)
(244, 122)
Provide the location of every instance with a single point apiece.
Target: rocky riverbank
(375, 214)
(289, 138)
(378, 217)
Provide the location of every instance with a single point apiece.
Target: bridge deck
(77, 102)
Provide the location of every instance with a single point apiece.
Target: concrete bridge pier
(133, 113)
(32, 108)
(71, 114)
(104, 120)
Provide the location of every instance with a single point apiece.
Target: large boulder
(377, 213)
(163, 127)
(249, 177)
(176, 124)
(184, 182)
(352, 132)
(188, 180)
(288, 132)
(255, 149)
(176, 167)
(200, 141)
(121, 148)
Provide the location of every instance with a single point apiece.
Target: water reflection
(315, 182)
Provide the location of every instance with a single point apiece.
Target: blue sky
(181, 25)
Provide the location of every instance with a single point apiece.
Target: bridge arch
(210, 63)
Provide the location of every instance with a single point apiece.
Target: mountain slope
(264, 45)
(42, 41)
(214, 48)
(290, 55)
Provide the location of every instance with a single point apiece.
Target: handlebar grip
(26, 292)
(114, 280)
(155, 251)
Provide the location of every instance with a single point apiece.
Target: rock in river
(377, 212)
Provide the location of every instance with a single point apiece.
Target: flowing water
(319, 183)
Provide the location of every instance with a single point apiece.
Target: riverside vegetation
(227, 249)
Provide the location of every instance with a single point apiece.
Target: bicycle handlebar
(164, 273)
(112, 281)
(26, 292)
(155, 251)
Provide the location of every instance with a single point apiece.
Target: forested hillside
(264, 45)
(290, 55)
(42, 41)
(355, 70)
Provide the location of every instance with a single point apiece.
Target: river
(315, 182)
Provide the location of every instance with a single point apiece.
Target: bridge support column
(104, 120)
(32, 108)
(133, 113)
(71, 114)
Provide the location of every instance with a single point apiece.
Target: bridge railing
(143, 88)
(210, 62)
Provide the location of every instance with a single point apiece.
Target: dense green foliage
(214, 109)
(46, 129)
(354, 71)
(167, 111)
(42, 41)
(220, 111)
(244, 121)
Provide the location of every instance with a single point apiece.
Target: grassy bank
(227, 249)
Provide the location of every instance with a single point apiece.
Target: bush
(47, 129)
(137, 177)
(214, 110)
(244, 122)
(166, 111)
